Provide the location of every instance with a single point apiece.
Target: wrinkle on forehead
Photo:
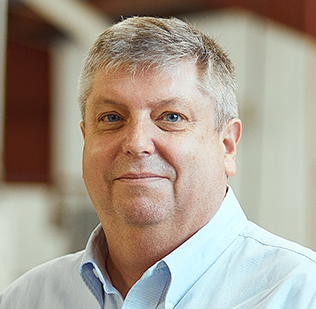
(177, 70)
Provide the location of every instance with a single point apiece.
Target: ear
(83, 130)
(231, 137)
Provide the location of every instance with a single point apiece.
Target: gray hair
(140, 43)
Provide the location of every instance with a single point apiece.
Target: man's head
(156, 151)
(143, 43)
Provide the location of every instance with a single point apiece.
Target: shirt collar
(93, 264)
(192, 259)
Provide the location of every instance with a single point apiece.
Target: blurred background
(44, 208)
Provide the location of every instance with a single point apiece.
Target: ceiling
(25, 26)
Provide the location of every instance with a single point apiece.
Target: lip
(137, 177)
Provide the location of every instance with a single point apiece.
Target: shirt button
(95, 272)
(170, 306)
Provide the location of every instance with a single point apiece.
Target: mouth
(140, 177)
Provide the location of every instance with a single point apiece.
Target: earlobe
(83, 131)
(231, 137)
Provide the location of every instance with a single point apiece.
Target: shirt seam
(278, 246)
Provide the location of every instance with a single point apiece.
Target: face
(152, 155)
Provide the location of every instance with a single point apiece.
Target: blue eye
(172, 117)
(112, 118)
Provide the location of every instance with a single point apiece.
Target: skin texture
(153, 164)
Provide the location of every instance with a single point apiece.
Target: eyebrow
(173, 101)
(178, 101)
(104, 101)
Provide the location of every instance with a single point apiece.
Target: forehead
(178, 80)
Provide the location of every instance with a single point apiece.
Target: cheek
(96, 159)
(199, 160)
(184, 156)
(95, 166)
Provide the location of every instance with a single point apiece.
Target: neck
(138, 250)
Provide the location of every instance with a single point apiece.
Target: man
(160, 126)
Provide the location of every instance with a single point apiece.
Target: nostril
(138, 140)
(138, 143)
(139, 148)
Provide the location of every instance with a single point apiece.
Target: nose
(138, 140)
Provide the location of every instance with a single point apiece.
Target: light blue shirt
(230, 263)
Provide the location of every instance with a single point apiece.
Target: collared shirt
(229, 263)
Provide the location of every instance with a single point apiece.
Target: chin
(144, 213)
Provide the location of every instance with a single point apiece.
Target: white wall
(282, 207)
(27, 234)
(310, 144)
(67, 141)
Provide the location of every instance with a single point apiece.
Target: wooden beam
(3, 44)
(76, 19)
(310, 17)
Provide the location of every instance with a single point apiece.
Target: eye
(172, 117)
(111, 118)
(110, 121)
(171, 121)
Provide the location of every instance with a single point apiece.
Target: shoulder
(284, 263)
(50, 283)
(258, 238)
(263, 270)
(65, 267)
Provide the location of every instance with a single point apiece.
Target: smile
(139, 177)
